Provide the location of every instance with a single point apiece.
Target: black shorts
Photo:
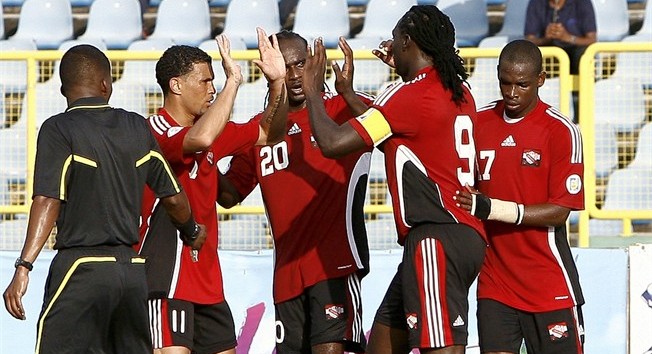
(502, 329)
(202, 328)
(95, 301)
(428, 296)
(327, 312)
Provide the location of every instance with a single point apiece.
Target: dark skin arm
(178, 208)
(42, 217)
(344, 80)
(541, 215)
(228, 195)
(334, 140)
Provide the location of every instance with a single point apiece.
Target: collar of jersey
(88, 103)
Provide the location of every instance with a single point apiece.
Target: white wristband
(505, 211)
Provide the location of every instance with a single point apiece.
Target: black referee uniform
(97, 160)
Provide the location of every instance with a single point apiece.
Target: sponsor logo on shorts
(573, 184)
(558, 331)
(333, 312)
(531, 158)
(412, 320)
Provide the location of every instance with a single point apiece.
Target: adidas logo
(509, 141)
(458, 321)
(294, 129)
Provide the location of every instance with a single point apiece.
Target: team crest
(333, 312)
(558, 331)
(412, 320)
(531, 158)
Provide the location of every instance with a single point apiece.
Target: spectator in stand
(194, 132)
(531, 169)
(568, 24)
(320, 241)
(92, 164)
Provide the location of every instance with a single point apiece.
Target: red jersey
(171, 272)
(535, 160)
(314, 204)
(429, 151)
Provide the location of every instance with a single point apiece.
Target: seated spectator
(569, 24)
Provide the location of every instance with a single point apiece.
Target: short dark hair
(176, 61)
(285, 35)
(81, 65)
(523, 52)
(434, 34)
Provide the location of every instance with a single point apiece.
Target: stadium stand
(46, 22)
(370, 74)
(14, 72)
(312, 16)
(210, 46)
(381, 234)
(243, 16)
(482, 81)
(612, 19)
(143, 72)
(116, 22)
(250, 100)
(469, 18)
(646, 28)
(620, 103)
(606, 149)
(513, 19)
(242, 235)
(379, 14)
(643, 157)
(182, 21)
(629, 64)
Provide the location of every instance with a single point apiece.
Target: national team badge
(333, 312)
(531, 158)
(558, 331)
(209, 157)
(573, 184)
(412, 320)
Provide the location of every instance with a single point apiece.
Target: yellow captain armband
(375, 124)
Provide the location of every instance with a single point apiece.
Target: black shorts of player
(502, 329)
(428, 296)
(95, 302)
(327, 312)
(202, 328)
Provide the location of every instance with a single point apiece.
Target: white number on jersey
(465, 149)
(274, 158)
(490, 156)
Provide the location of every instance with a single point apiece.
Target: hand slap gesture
(344, 76)
(385, 52)
(271, 61)
(314, 69)
(231, 68)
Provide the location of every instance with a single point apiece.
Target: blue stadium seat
(312, 17)
(210, 46)
(243, 16)
(381, 16)
(635, 65)
(46, 22)
(13, 234)
(643, 158)
(606, 149)
(143, 72)
(549, 93)
(514, 19)
(612, 19)
(182, 21)
(369, 74)
(382, 234)
(483, 80)
(14, 72)
(116, 22)
(629, 189)
(620, 103)
(469, 18)
(250, 100)
(13, 154)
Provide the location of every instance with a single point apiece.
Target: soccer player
(425, 126)
(320, 241)
(92, 164)
(187, 305)
(530, 177)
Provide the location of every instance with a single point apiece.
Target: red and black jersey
(429, 151)
(533, 160)
(314, 204)
(170, 270)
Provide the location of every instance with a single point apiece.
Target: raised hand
(314, 69)
(231, 68)
(271, 61)
(344, 76)
(385, 52)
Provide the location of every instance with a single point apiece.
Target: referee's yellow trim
(157, 155)
(60, 290)
(66, 165)
(375, 124)
(138, 260)
(88, 107)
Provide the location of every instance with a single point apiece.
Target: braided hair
(434, 34)
(176, 61)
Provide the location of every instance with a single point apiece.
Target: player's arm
(272, 64)
(202, 134)
(486, 208)
(228, 195)
(178, 208)
(42, 217)
(344, 80)
(334, 140)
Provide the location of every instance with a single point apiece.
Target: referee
(92, 164)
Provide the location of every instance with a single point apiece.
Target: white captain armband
(375, 124)
(486, 208)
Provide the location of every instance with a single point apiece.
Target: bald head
(523, 53)
(85, 72)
